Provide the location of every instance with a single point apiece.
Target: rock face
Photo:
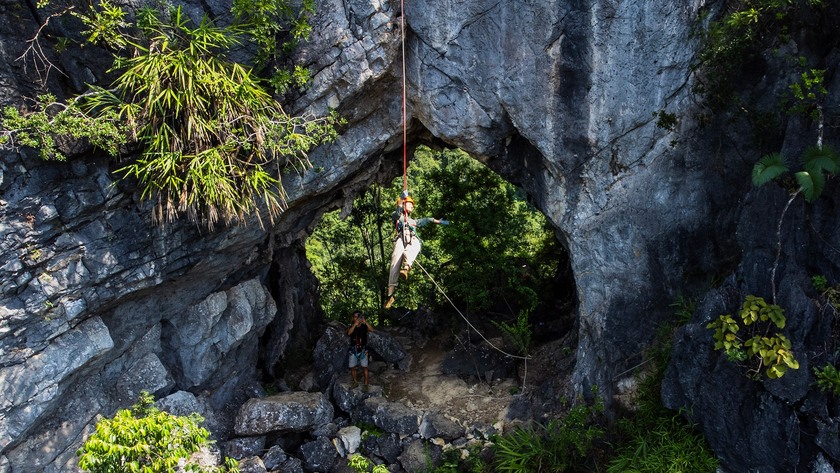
(560, 97)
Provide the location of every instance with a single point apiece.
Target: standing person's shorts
(358, 360)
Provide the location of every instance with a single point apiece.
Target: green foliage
(654, 439)
(831, 293)
(746, 29)
(519, 333)
(808, 92)
(145, 439)
(684, 308)
(498, 250)
(665, 444)
(810, 179)
(212, 141)
(264, 21)
(819, 282)
(39, 127)
(348, 255)
(554, 447)
(666, 121)
(767, 168)
(360, 464)
(756, 317)
(828, 379)
(105, 24)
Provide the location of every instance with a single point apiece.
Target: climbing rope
(405, 187)
(417, 263)
(405, 134)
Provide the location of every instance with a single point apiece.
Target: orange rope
(405, 150)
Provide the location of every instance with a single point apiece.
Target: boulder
(244, 447)
(274, 458)
(318, 455)
(284, 412)
(350, 438)
(252, 465)
(418, 457)
(390, 416)
(435, 424)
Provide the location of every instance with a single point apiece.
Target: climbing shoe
(389, 302)
(354, 385)
(365, 388)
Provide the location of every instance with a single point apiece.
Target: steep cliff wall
(558, 96)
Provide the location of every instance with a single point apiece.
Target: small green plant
(553, 447)
(666, 121)
(519, 333)
(828, 379)
(684, 308)
(361, 464)
(831, 293)
(811, 180)
(145, 439)
(819, 282)
(756, 317)
(808, 92)
(370, 430)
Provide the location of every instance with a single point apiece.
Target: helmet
(401, 200)
(409, 199)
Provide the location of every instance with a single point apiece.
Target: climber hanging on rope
(406, 242)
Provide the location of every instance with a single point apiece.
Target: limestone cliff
(560, 97)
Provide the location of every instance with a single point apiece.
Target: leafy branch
(213, 142)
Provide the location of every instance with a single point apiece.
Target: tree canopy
(497, 254)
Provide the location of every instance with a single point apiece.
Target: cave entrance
(498, 262)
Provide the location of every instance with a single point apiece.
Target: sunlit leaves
(772, 352)
(145, 439)
(207, 130)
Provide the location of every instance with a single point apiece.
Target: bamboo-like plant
(211, 141)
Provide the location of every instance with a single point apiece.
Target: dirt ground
(473, 402)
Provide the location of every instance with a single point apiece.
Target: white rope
(465, 319)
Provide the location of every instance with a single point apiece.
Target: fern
(768, 168)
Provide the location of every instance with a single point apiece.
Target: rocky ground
(475, 383)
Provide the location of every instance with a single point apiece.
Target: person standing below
(406, 243)
(358, 333)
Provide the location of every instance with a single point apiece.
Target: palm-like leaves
(768, 168)
(811, 179)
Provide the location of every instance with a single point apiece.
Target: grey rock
(330, 355)
(295, 411)
(435, 424)
(347, 399)
(34, 387)
(390, 416)
(351, 438)
(274, 457)
(244, 447)
(180, 403)
(252, 465)
(417, 456)
(388, 349)
(216, 326)
(145, 374)
(318, 455)
(291, 465)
